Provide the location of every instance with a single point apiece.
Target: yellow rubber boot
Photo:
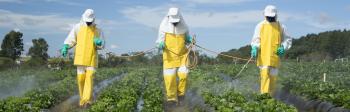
(170, 86)
(182, 84)
(272, 88)
(81, 81)
(265, 81)
(88, 87)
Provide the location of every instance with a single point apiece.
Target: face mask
(88, 23)
(271, 19)
(175, 23)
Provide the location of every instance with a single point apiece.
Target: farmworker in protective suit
(269, 43)
(87, 39)
(172, 39)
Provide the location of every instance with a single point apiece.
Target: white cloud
(114, 46)
(16, 29)
(218, 1)
(151, 17)
(221, 19)
(65, 2)
(12, 1)
(28, 43)
(51, 24)
(54, 23)
(48, 24)
(145, 15)
(347, 8)
(316, 20)
(322, 20)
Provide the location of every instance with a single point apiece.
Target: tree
(38, 51)
(12, 45)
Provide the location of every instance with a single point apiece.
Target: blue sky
(132, 25)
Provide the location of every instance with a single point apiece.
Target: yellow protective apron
(175, 52)
(85, 50)
(85, 55)
(270, 40)
(175, 56)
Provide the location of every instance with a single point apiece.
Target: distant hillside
(327, 45)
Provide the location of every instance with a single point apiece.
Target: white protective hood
(173, 15)
(88, 16)
(270, 11)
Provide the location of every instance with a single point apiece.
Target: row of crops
(43, 98)
(210, 88)
(328, 82)
(124, 95)
(221, 95)
(146, 84)
(16, 82)
(324, 83)
(142, 84)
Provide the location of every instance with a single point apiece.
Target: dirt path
(72, 102)
(140, 100)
